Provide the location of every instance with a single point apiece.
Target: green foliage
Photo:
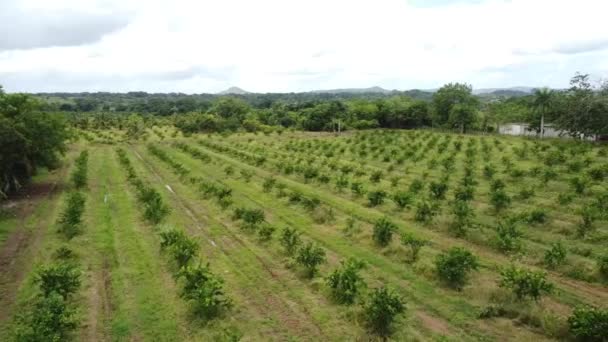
(500, 200)
(438, 190)
(64, 253)
(182, 248)
(403, 199)
(345, 282)
(425, 211)
(79, 176)
(536, 216)
(265, 232)
(290, 240)
(154, 208)
(602, 265)
(51, 319)
(454, 266)
(310, 256)
(376, 197)
(268, 184)
(383, 231)
(251, 217)
(204, 290)
(463, 215)
(589, 324)
(586, 225)
(70, 221)
(381, 309)
(62, 278)
(376, 176)
(414, 243)
(525, 283)
(556, 255)
(508, 236)
(579, 184)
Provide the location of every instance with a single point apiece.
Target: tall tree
(543, 99)
(450, 95)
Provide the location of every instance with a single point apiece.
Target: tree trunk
(542, 126)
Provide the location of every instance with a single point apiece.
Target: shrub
(204, 290)
(345, 282)
(589, 324)
(500, 200)
(438, 190)
(536, 216)
(464, 193)
(588, 216)
(310, 256)
(70, 220)
(579, 184)
(463, 215)
(402, 199)
(357, 188)
(525, 283)
(183, 250)
(290, 239)
(62, 278)
(154, 208)
(383, 231)
(416, 186)
(508, 236)
(265, 232)
(375, 176)
(381, 309)
(341, 183)
(50, 320)
(602, 265)
(525, 194)
(246, 175)
(251, 217)
(489, 171)
(564, 198)
(268, 184)
(79, 176)
(556, 255)
(454, 266)
(414, 243)
(169, 237)
(425, 211)
(376, 197)
(64, 253)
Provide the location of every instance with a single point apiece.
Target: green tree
(345, 282)
(414, 243)
(450, 95)
(454, 266)
(542, 103)
(310, 256)
(383, 231)
(381, 309)
(525, 283)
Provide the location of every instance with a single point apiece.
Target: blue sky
(196, 46)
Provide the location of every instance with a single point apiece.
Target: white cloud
(273, 45)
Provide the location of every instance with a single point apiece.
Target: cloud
(278, 46)
(25, 28)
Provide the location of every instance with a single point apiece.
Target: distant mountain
(513, 90)
(234, 91)
(354, 90)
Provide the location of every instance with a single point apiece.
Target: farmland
(273, 221)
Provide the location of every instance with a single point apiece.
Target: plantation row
(52, 313)
(200, 287)
(463, 209)
(514, 278)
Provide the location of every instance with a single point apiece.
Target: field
(536, 205)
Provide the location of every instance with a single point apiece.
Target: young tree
(383, 231)
(543, 99)
(204, 290)
(310, 256)
(525, 283)
(345, 282)
(62, 278)
(589, 324)
(414, 243)
(290, 239)
(556, 255)
(381, 309)
(454, 266)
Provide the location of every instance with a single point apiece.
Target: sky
(205, 46)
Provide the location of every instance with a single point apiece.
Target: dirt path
(17, 251)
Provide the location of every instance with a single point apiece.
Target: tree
(62, 278)
(290, 239)
(542, 103)
(525, 283)
(454, 266)
(450, 95)
(589, 324)
(414, 243)
(135, 126)
(462, 116)
(383, 231)
(345, 282)
(310, 256)
(204, 290)
(381, 309)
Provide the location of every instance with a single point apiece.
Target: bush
(500, 200)
(579, 184)
(154, 208)
(602, 265)
(438, 190)
(375, 176)
(589, 324)
(381, 309)
(265, 232)
(454, 266)
(70, 220)
(62, 278)
(79, 176)
(556, 255)
(425, 211)
(588, 216)
(383, 232)
(416, 186)
(64, 253)
(414, 243)
(536, 216)
(50, 320)
(508, 236)
(205, 291)
(268, 184)
(182, 248)
(463, 215)
(290, 239)
(251, 217)
(525, 283)
(402, 199)
(345, 282)
(310, 256)
(376, 197)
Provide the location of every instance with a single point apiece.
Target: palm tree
(542, 102)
